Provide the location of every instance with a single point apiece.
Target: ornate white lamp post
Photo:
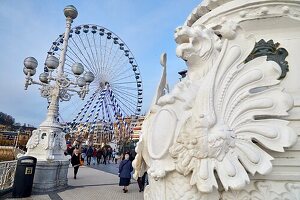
(47, 143)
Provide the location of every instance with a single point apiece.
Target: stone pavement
(109, 168)
(91, 184)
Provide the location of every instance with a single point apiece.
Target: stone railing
(7, 174)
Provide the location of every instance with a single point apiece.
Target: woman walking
(75, 161)
(125, 169)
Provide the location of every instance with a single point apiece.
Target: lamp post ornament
(48, 141)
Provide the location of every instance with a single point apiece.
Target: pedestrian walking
(99, 155)
(104, 155)
(125, 169)
(94, 156)
(108, 154)
(89, 155)
(142, 181)
(75, 161)
(113, 154)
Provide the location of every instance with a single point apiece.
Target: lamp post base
(47, 144)
(50, 176)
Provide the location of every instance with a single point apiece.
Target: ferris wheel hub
(104, 85)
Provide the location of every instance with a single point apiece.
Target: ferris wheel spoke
(106, 67)
(126, 93)
(68, 56)
(122, 87)
(125, 83)
(116, 52)
(124, 111)
(114, 71)
(125, 72)
(130, 106)
(121, 59)
(95, 67)
(86, 63)
(115, 100)
(71, 106)
(125, 77)
(94, 87)
(97, 56)
(86, 107)
(104, 57)
(72, 51)
(101, 54)
(92, 67)
(109, 114)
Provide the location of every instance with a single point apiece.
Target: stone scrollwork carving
(218, 121)
(271, 50)
(34, 139)
(62, 141)
(265, 190)
(45, 91)
(64, 95)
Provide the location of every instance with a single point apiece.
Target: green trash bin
(24, 177)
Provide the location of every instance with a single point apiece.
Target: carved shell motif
(236, 116)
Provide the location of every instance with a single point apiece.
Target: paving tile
(33, 197)
(91, 184)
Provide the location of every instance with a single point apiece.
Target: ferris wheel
(116, 94)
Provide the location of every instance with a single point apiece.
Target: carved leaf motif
(236, 195)
(238, 108)
(34, 139)
(263, 191)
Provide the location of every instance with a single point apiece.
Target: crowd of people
(105, 155)
(99, 155)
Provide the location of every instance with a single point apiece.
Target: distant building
(103, 133)
(13, 138)
(138, 128)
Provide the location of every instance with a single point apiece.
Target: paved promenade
(92, 184)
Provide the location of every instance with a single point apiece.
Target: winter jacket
(125, 169)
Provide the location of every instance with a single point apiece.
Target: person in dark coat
(75, 161)
(125, 169)
(89, 155)
(99, 155)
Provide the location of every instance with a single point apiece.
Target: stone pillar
(268, 20)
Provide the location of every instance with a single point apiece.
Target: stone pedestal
(50, 176)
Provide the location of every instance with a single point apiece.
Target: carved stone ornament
(214, 128)
(34, 139)
(265, 190)
(271, 50)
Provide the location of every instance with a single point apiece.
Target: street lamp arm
(55, 87)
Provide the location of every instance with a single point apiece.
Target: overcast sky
(29, 27)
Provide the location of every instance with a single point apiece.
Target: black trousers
(98, 160)
(88, 160)
(104, 160)
(141, 182)
(76, 170)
